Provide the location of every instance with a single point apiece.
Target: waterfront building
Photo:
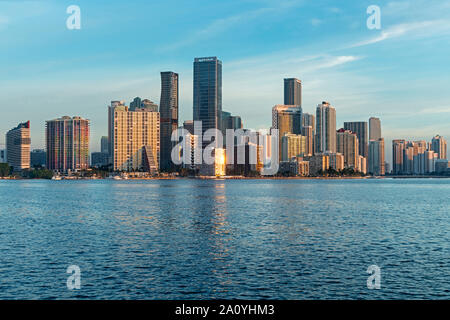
(374, 128)
(18, 144)
(325, 128)
(208, 93)
(442, 166)
(376, 157)
(292, 145)
(168, 109)
(293, 92)
(362, 164)
(398, 148)
(134, 138)
(336, 161)
(287, 119)
(99, 159)
(308, 133)
(67, 144)
(38, 158)
(360, 128)
(318, 163)
(439, 146)
(104, 144)
(347, 144)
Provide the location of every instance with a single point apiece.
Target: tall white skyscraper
(374, 128)
(325, 128)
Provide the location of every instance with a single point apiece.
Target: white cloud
(415, 29)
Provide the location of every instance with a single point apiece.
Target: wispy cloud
(223, 24)
(417, 29)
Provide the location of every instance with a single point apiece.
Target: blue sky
(400, 73)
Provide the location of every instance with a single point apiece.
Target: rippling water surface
(246, 239)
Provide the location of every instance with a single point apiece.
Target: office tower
(104, 147)
(307, 132)
(439, 146)
(325, 128)
(318, 163)
(230, 122)
(38, 158)
(18, 143)
(398, 147)
(293, 92)
(208, 93)
(347, 144)
(308, 120)
(374, 128)
(138, 103)
(134, 138)
(360, 128)
(292, 145)
(376, 157)
(168, 109)
(287, 119)
(67, 144)
(336, 161)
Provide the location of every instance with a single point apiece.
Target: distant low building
(442, 166)
(3, 156)
(38, 158)
(99, 159)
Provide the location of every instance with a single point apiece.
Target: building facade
(376, 157)
(374, 128)
(360, 128)
(293, 92)
(439, 146)
(18, 145)
(347, 144)
(208, 93)
(168, 109)
(134, 138)
(325, 128)
(67, 144)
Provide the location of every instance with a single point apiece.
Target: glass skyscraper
(208, 93)
(292, 92)
(168, 109)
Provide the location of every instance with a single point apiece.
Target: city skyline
(363, 73)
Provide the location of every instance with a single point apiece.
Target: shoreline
(239, 178)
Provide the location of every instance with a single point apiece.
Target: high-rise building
(208, 93)
(308, 120)
(18, 144)
(439, 146)
(293, 92)
(189, 126)
(325, 128)
(360, 128)
(38, 158)
(287, 119)
(292, 145)
(134, 138)
(104, 147)
(374, 128)
(307, 132)
(67, 144)
(376, 157)
(168, 109)
(398, 148)
(347, 144)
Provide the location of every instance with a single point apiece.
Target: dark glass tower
(208, 93)
(168, 109)
(360, 128)
(292, 92)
